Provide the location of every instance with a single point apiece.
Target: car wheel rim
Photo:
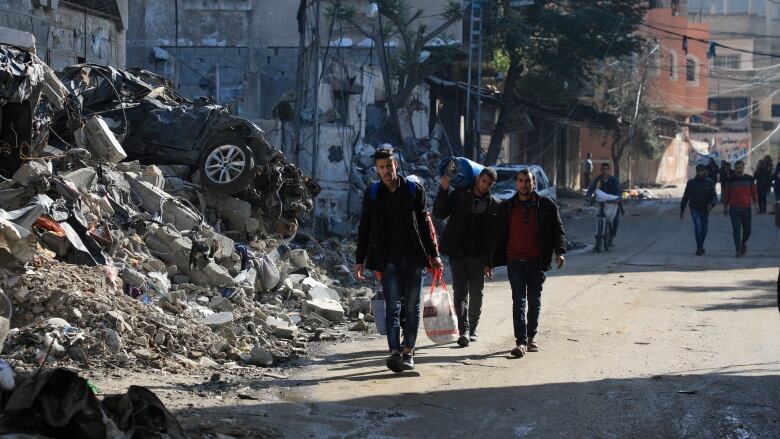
(225, 164)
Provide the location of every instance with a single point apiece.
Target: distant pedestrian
(609, 184)
(587, 167)
(736, 203)
(776, 176)
(395, 240)
(724, 176)
(700, 194)
(763, 177)
(465, 240)
(712, 170)
(528, 233)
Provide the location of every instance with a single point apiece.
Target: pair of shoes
(473, 336)
(463, 341)
(395, 362)
(519, 350)
(699, 252)
(743, 249)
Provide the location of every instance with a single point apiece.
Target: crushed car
(137, 115)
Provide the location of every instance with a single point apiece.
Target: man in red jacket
(740, 193)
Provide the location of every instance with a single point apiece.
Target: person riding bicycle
(609, 184)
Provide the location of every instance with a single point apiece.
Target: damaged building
(247, 54)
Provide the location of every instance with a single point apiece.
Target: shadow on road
(707, 405)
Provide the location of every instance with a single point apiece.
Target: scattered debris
(188, 257)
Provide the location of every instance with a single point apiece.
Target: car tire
(227, 166)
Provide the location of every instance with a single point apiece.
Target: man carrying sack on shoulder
(394, 238)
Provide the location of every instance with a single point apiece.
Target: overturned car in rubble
(246, 180)
(156, 125)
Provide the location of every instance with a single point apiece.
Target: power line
(715, 43)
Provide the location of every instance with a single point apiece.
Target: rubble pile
(142, 228)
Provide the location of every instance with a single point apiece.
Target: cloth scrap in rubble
(59, 403)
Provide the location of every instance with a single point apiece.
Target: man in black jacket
(700, 193)
(465, 241)
(528, 232)
(395, 240)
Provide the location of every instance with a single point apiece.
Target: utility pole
(473, 135)
(300, 102)
(316, 142)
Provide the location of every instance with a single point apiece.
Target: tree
(550, 47)
(406, 66)
(634, 129)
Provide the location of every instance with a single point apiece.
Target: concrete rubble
(111, 261)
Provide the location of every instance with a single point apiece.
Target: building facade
(71, 32)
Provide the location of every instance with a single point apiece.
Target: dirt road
(647, 340)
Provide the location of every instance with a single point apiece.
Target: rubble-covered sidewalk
(120, 249)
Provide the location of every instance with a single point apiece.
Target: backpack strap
(374, 190)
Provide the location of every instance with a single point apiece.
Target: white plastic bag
(439, 319)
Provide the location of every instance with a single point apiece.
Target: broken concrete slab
(211, 274)
(237, 213)
(259, 356)
(31, 172)
(101, 141)
(13, 37)
(157, 201)
(217, 320)
(282, 328)
(82, 178)
(329, 309)
(152, 175)
(225, 246)
(315, 289)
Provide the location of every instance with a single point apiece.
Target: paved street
(645, 341)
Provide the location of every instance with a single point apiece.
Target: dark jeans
(587, 180)
(468, 279)
(740, 222)
(762, 194)
(401, 286)
(701, 220)
(526, 279)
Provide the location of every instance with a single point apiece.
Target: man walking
(736, 203)
(587, 167)
(724, 176)
(777, 180)
(395, 240)
(609, 184)
(465, 241)
(528, 233)
(712, 170)
(700, 193)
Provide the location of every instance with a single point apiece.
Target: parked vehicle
(505, 187)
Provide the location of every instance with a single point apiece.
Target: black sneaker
(519, 351)
(473, 336)
(408, 361)
(395, 363)
(699, 252)
(463, 341)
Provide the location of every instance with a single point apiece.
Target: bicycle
(605, 215)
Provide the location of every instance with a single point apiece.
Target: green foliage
(561, 40)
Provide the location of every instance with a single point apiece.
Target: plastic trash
(462, 171)
(7, 376)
